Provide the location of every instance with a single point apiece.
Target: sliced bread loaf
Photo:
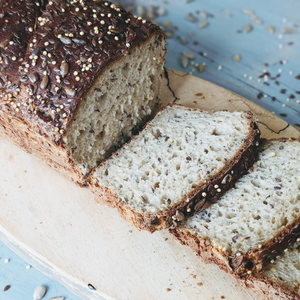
(183, 161)
(254, 221)
(279, 280)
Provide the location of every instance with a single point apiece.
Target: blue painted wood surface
(261, 53)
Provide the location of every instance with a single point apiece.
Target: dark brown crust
(32, 126)
(254, 260)
(55, 94)
(235, 168)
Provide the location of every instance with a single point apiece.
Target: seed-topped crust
(74, 43)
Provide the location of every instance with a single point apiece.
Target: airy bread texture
(257, 219)
(176, 165)
(123, 98)
(279, 280)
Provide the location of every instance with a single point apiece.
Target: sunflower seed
(288, 30)
(271, 29)
(256, 19)
(66, 40)
(236, 57)
(44, 82)
(179, 216)
(39, 292)
(203, 24)
(57, 298)
(248, 11)
(70, 92)
(4, 43)
(33, 77)
(201, 68)
(188, 54)
(248, 28)
(161, 11)
(191, 17)
(199, 205)
(203, 14)
(184, 61)
(64, 69)
(167, 23)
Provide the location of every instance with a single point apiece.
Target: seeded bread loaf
(279, 280)
(182, 161)
(91, 75)
(255, 220)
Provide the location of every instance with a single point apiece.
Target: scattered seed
(288, 30)
(201, 68)
(44, 82)
(169, 33)
(64, 69)
(248, 11)
(167, 23)
(203, 24)
(28, 266)
(203, 13)
(219, 67)
(257, 20)
(57, 298)
(39, 292)
(248, 28)
(236, 57)
(7, 287)
(191, 17)
(280, 46)
(271, 29)
(161, 11)
(183, 40)
(188, 54)
(184, 61)
(280, 36)
(6, 261)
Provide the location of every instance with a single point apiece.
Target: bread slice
(91, 75)
(254, 221)
(279, 280)
(182, 161)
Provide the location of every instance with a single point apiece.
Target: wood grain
(59, 228)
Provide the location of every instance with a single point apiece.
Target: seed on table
(257, 20)
(161, 11)
(236, 57)
(220, 67)
(203, 24)
(271, 29)
(288, 30)
(169, 33)
(6, 261)
(184, 61)
(201, 68)
(248, 11)
(183, 40)
(188, 54)
(191, 17)
(57, 298)
(7, 287)
(39, 292)
(167, 23)
(203, 13)
(248, 28)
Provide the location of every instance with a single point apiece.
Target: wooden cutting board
(59, 228)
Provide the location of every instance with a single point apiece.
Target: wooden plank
(60, 229)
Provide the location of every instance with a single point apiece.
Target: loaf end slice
(90, 78)
(182, 162)
(254, 221)
(279, 280)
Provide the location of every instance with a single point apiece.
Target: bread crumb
(168, 290)
(166, 239)
(200, 283)
(222, 297)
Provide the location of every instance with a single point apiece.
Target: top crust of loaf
(17, 19)
(72, 46)
(242, 263)
(194, 200)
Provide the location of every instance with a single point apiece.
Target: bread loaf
(254, 221)
(182, 161)
(91, 75)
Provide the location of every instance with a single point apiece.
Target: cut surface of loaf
(255, 220)
(91, 75)
(182, 161)
(279, 280)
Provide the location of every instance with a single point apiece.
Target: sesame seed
(272, 261)
(100, 42)
(250, 77)
(109, 15)
(30, 29)
(283, 105)
(216, 186)
(116, 38)
(77, 9)
(6, 260)
(11, 43)
(102, 22)
(287, 99)
(203, 194)
(56, 129)
(249, 272)
(77, 78)
(14, 58)
(75, 73)
(95, 16)
(81, 33)
(219, 190)
(89, 23)
(54, 62)
(108, 32)
(127, 45)
(29, 266)
(46, 43)
(280, 46)
(144, 21)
